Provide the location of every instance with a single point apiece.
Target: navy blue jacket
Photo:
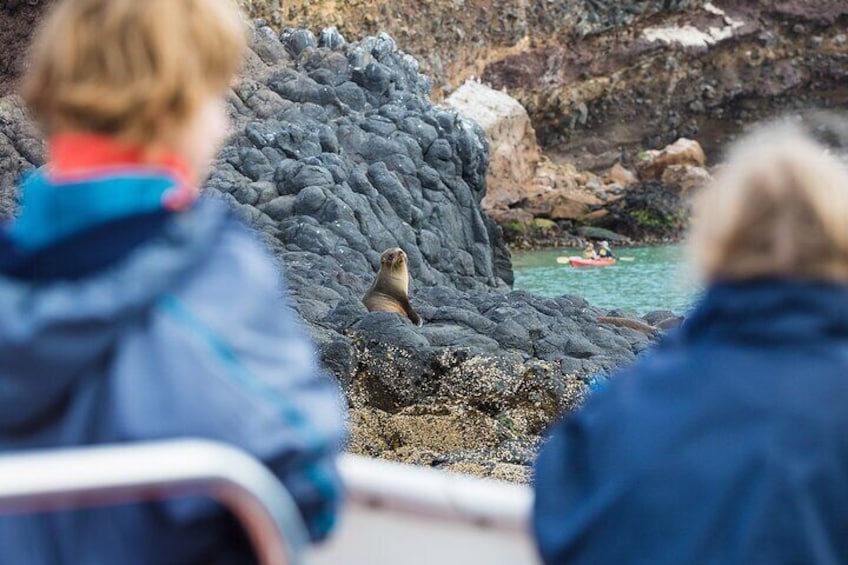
(728, 444)
(122, 322)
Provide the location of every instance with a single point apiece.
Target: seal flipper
(411, 313)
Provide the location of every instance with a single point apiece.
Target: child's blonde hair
(133, 69)
(778, 208)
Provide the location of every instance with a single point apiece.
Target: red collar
(80, 155)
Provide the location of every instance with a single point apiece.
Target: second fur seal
(390, 291)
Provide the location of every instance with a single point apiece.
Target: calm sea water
(656, 279)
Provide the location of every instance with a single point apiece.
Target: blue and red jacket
(131, 310)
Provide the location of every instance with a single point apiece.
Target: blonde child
(133, 309)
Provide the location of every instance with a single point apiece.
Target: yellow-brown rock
(652, 164)
(511, 216)
(444, 430)
(562, 192)
(684, 179)
(595, 216)
(513, 151)
(621, 176)
(570, 205)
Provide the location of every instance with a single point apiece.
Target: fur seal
(390, 291)
(627, 323)
(667, 324)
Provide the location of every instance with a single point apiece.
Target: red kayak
(581, 262)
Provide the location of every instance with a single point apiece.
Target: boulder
(652, 164)
(513, 151)
(565, 204)
(685, 178)
(620, 176)
(650, 213)
(671, 323)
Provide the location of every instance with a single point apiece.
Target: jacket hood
(53, 333)
(770, 311)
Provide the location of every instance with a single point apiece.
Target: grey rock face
(331, 38)
(21, 150)
(341, 154)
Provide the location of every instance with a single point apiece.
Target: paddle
(628, 259)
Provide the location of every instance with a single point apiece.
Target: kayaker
(605, 252)
(726, 444)
(589, 252)
(131, 307)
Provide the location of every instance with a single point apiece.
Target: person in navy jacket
(131, 307)
(729, 442)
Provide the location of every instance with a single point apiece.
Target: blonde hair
(778, 208)
(134, 69)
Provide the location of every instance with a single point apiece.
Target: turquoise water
(656, 279)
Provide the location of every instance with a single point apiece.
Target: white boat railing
(399, 513)
(394, 513)
(435, 493)
(58, 479)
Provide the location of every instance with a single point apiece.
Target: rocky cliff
(703, 73)
(605, 79)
